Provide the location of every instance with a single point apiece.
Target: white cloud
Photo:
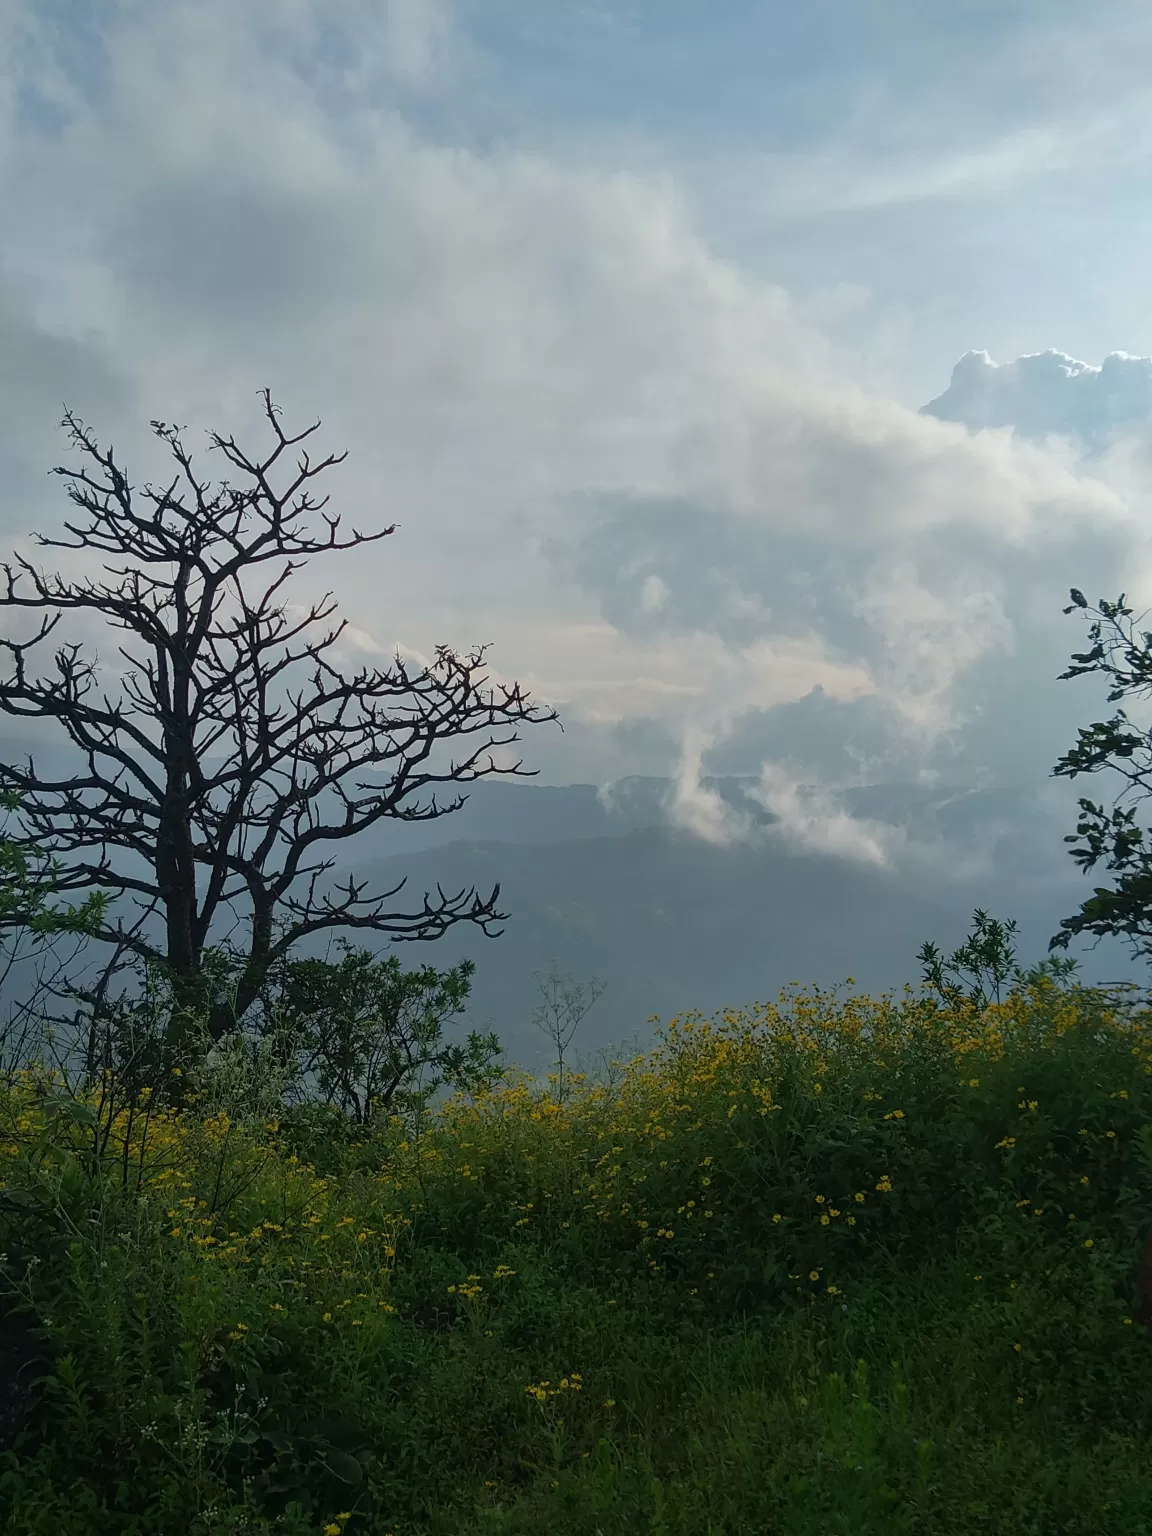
(700, 809)
(1050, 393)
(419, 35)
(638, 471)
(653, 594)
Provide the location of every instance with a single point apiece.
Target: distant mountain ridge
(672, 923)
(518, 810)
(598, 880)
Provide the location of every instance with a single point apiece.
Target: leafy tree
(366, 1031)
(988, 949)
(230, 758)
(1126, 908)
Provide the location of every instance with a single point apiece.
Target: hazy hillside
(522, 811)
(673, 923)
(603, 885)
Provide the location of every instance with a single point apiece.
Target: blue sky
(930, 170)
(931, 177)
(938, 162)
(625, 314)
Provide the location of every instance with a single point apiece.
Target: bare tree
(563, 1007)
(225, 764)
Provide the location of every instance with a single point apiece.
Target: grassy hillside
(860, 1266)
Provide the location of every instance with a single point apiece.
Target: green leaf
(24, 1199)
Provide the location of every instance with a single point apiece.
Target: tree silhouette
(1126, 909)
(224, 764)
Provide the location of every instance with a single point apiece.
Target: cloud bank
(1050, 393)
(640, 472)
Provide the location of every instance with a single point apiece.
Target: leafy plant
(31, 926)
(371, 1035)
(988, 949)
(1125, 909)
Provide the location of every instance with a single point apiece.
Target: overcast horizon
(755, 382)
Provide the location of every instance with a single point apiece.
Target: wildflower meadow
(827, 1265)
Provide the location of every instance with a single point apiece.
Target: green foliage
(372, 1033)
(988, 949)
(859, 1267)
(1126, 908)
(359, 1036)
(27, 882)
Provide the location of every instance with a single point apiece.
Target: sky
(627, 316)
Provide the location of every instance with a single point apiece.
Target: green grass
(832, 1266)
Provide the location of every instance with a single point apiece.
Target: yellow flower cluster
(543, 1390)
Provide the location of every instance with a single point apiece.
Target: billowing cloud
(921, 567)
(637, 470)
(1046, 393)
